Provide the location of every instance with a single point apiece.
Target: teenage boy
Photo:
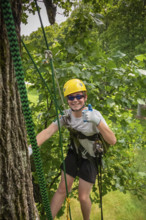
(85, 127)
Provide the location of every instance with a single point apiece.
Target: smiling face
(76, 101)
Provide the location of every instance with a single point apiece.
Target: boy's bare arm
(107, 133)
(46, 133)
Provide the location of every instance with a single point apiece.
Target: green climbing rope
(56, 105)
(14, 48)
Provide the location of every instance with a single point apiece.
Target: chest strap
(80, 135)
(100, 143)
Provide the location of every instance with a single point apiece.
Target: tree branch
(51, 10)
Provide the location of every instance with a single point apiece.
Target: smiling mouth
(75, 105)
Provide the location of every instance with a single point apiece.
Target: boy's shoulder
(97, 112)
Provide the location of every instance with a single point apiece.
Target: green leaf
(71, 50)
(119, 54)
(110, 102)
(79, 57)
(142, 174)
(142, 72)
(141, 57)
(141, 101)
(74, 69)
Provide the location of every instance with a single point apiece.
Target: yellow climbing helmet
(72, 86)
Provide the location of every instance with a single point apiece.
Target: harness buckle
(84, 152)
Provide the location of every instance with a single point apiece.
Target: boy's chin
(76, 108)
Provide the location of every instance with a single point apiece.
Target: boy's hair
(84, 93)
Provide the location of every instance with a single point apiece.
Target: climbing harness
(100, 147)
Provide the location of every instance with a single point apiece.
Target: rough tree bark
(16, 190)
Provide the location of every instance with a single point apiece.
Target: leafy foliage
(104, 47)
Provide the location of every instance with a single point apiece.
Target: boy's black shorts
(82, 168)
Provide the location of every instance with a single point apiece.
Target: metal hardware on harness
(66, 118)
(98, 148)
(48, 54)
(84, 153)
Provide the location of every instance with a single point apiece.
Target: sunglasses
(78, 97)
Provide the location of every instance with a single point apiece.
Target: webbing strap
(94, 137)
(14, 48)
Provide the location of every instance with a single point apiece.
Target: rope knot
(48, 54)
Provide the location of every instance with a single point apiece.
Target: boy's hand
(90, 116)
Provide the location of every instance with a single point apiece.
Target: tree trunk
(16, 191)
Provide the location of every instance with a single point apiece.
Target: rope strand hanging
(24, 45)
(50, 56)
